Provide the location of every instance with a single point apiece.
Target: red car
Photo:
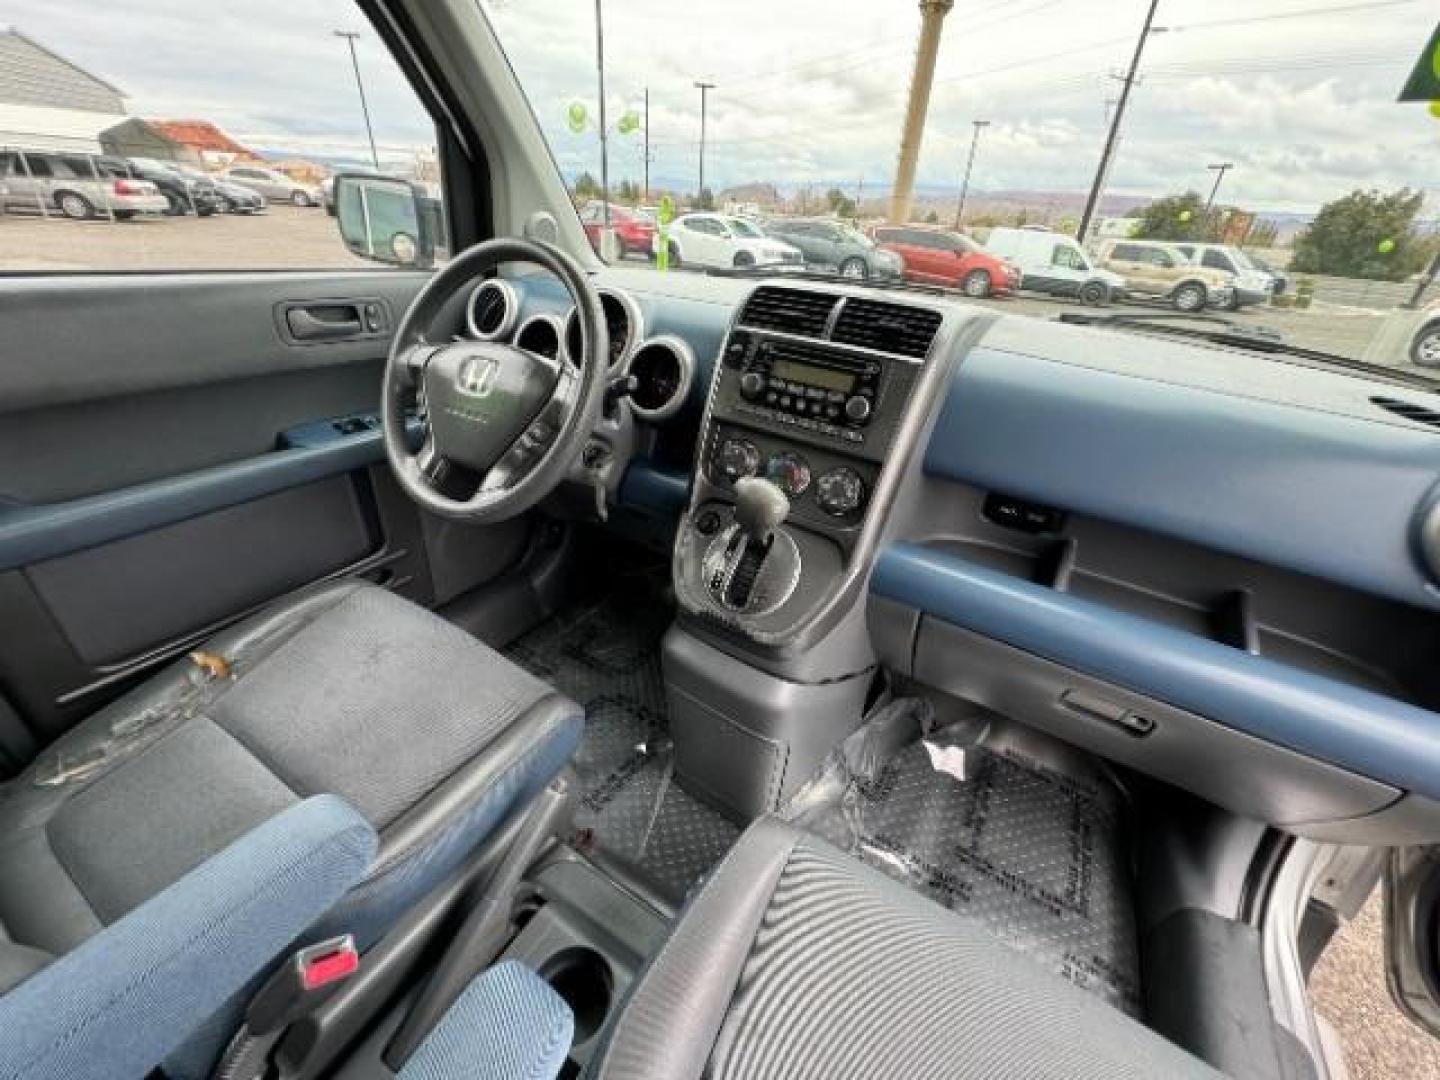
(634, 228)
(937, 257)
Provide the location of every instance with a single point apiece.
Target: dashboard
(1215, 567)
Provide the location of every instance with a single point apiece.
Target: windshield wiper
(1223, 331)
(785, 270)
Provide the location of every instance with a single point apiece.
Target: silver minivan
(274, 185)
(79, 186)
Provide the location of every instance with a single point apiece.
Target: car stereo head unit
(801, 380)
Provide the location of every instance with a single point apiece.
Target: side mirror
(387, 220)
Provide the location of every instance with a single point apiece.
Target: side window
(269, 103)
(1217, 260)
(1128, 252)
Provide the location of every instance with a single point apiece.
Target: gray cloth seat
(795, 960)
(346, 690)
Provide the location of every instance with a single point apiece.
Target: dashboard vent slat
(790, 311)
(1410, 410)
(892, 328)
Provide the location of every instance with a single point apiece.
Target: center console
(814, 407)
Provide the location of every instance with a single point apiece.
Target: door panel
(172, 461)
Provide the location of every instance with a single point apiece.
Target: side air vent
(892, 328)
(1410, 410)
(791, 311)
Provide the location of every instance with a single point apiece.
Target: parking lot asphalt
(283, 237)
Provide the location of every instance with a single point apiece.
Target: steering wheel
(502, 420)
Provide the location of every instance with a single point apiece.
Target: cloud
(813, 91)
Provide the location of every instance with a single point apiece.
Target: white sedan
(722, 240)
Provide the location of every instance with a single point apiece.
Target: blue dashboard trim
(1357, 729)
(649, 487)
(1320, 492)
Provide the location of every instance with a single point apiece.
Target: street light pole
(969, 164)
(1114, 134)
(704, 88)
(350, 37)
(604, 136)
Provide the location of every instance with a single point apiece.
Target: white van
(1055, 263)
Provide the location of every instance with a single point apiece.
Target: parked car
(1250, 284)
(718, 240)
(833, 245)
(1161, 271)
(234, 199)
(634, 229)
(80, 186)
(275, 186)
(1055, 263)
(185, 194)
(1425, 345)
(938, 257)
(1279, 280)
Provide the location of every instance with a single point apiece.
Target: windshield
(1270, 137)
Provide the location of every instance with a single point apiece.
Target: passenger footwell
(974, 823)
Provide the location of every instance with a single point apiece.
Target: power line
(1299, 13)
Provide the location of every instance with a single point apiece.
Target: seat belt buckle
(304, 982)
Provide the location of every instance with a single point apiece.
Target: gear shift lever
(760, 507)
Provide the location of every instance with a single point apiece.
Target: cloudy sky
(1298, 94)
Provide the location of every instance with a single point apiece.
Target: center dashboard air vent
(892, 328)
(790, 311)
(1410, 410)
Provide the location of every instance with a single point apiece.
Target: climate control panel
(813, 480)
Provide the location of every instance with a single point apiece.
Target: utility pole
(604, 135)
(350, 37)
(646, 198)
(969, 164)
(704, 88)
(932, 19)
(1115, 120)
(1220, 170)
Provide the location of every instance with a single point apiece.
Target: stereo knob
(752, 385)
(858, 409)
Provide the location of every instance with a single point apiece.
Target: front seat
(797, 960)
(345, 689)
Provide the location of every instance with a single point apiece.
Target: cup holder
(582, 977)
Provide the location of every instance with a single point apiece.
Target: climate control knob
(736, 458)
(840, 492)
(789, 472)
(857, 409)
(752, 385)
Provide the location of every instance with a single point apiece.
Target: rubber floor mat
(1036, 855)
(606, 656)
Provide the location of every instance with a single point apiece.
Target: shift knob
(759, 507)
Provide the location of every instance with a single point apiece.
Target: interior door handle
(324, 322)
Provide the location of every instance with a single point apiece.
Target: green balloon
(576, 115)
(1184, 215)
(667, 210)
(629, 123)
(1386, 246)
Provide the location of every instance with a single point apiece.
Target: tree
(586, 187)
(1365, 234)
(932, 218)
(1176, 217)
(840, 204)
(1263, 234)
(705, 200)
